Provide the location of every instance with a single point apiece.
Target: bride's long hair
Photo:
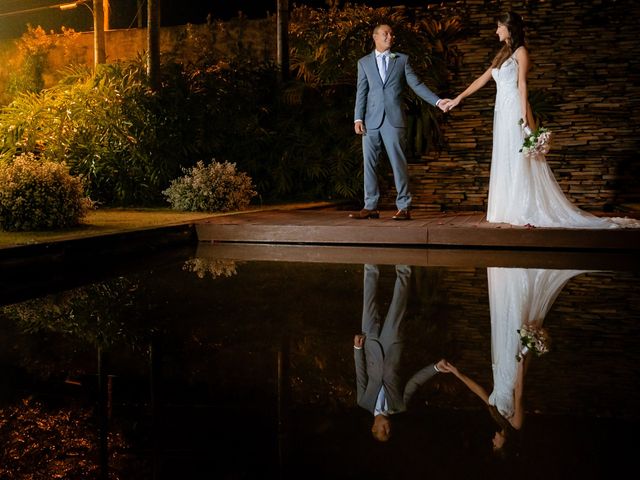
(515, 25)
(512, 438)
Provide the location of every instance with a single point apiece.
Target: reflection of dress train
(522, 190)
(517, 296)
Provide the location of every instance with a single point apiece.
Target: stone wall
(584, 61)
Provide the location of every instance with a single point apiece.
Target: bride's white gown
(524, 191)
(517, 296)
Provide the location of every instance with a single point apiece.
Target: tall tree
(153, 43)
(99, 54)
(283, 38)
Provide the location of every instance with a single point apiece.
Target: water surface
(199, 365)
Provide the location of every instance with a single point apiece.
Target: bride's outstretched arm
(476, 85)
(471, 384)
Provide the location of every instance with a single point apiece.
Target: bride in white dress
(522, 189)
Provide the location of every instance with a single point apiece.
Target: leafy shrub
(39, 195)
(211, 188)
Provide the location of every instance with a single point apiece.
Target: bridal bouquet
(533, 339)
(536, 142)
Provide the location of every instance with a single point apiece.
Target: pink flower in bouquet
(532, 339)
(536, 142)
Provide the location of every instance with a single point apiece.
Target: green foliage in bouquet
(39, 195)
(217, 187)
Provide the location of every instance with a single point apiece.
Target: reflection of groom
(379, 116)
(377, 353)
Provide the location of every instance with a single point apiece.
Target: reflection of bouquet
(536, 142)
(534, 339)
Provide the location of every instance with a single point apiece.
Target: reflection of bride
(517, 297)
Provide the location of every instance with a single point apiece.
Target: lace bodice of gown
(522, 190)
(506, 78)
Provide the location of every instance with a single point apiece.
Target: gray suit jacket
(375, 100)
(374, 368)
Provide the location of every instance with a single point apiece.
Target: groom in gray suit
(379, 117)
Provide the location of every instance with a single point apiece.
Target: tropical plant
(326, 45)
(106, 126)
(270, 130)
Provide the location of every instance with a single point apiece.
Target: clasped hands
(447, 104)
(442, 366)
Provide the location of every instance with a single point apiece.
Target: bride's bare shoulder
(521, 53)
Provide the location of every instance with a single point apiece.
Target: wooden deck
(423, 257)
(426, 229)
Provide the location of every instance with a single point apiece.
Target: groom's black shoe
(364, 214)
(402, 215)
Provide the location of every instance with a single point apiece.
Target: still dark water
(195, 365)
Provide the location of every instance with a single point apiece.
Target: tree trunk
(99, 55)
(153, 43)
(283, 38)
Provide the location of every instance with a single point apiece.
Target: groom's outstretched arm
(419, 87)
(418, 379)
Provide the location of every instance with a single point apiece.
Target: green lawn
(104, 221)
(114, 220)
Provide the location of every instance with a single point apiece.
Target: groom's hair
(377, 27)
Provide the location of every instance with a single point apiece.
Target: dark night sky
(174, 12)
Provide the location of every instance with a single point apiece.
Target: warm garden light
(72, 5)
(100, 24)
(60, 6)
(68, 6)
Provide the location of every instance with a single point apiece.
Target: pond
(194, 363)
